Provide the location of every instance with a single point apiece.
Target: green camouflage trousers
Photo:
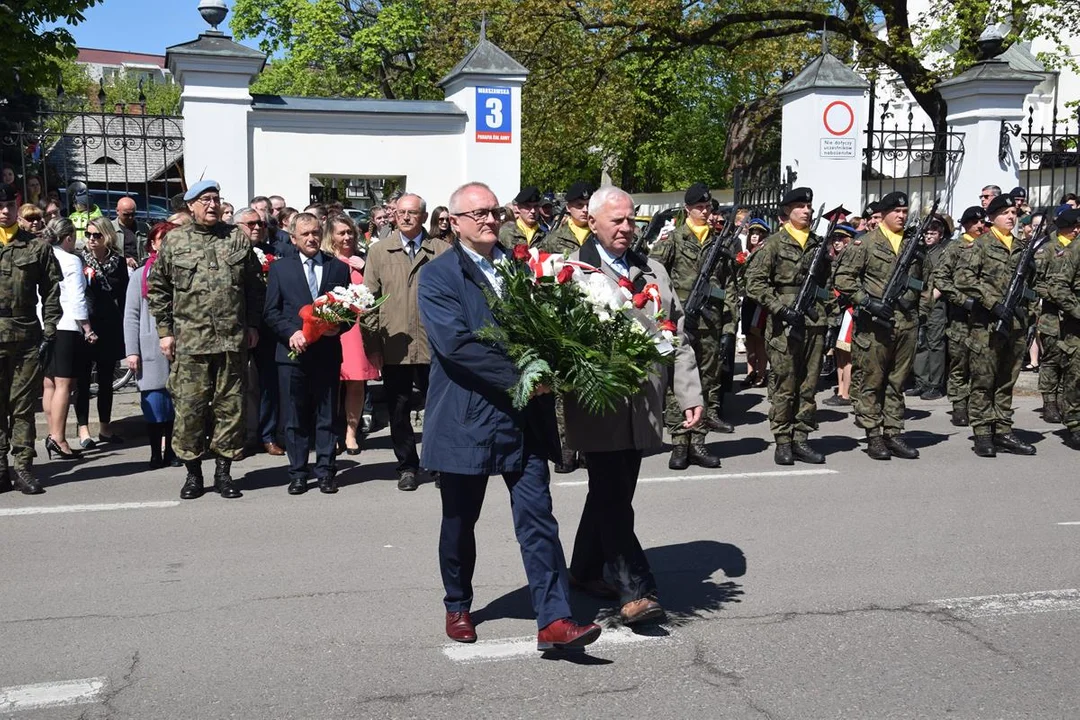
(208, 391)
(793, 382)
(1051, 361)
(1070, 381)
(995, 365)
(959, 382)
(883, 357)
(710, 362)
(20, 386)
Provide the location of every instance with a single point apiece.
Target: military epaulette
(856, 241)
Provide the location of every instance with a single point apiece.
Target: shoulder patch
(856, 241)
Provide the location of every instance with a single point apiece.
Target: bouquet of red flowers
(567, 325)
(339, 306)
(264, 259)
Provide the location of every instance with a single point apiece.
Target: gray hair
(455, 197)
(606, 194)
(423, 204)
(58, 229)
(304, 217)
(238, 215)
(994, 189)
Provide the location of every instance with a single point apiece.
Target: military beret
(579, 191)
(797, 195)
(892, 201)
(870, 210)
(972, 214)
(528, 196)
(698, 193)
(1001, 202)
(1019, 192)
(844, 230)
(199, 188)
(1069, 218)
(1060, 209)
(8, 193)
(758, 224)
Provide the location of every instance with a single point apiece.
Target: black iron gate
(1049, 161)
(761, 193)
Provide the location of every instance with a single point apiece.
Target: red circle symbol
(845, 108)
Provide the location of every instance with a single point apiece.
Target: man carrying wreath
(472, 430)
(608, 560)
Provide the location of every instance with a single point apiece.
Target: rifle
(810, 290)
(645, 239)
(1018, 286)
(702, 288)
(899, 281)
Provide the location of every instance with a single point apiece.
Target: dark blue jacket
(286, 292)
(470, 426)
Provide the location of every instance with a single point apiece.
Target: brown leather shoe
(272, 448)
(641, 610)
(565, 633)
(460, 628)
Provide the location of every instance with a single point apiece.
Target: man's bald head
(125, 211)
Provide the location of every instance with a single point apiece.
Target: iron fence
(762, 192)
(1049, 160)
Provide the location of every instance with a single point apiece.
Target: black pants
(398, 381)
(105, 367)
(606, 546)
(309, 405)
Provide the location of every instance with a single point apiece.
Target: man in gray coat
(608, 560)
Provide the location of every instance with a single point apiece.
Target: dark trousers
(105, 367)
(930, 359)
(310, 404)
(534, 524)
(269, 393)
(20, 386)
(606, 547)
(398, 381)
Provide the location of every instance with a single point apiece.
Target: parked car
(106, 200)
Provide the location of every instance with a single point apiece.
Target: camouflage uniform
(206, 291)
(561, 240)
(681, 255)
(1064, 289)
(28, 271)
(1048, 262)
(958, 386)
(510, 235)
(983, 274)
(881, 356)
(773, 279)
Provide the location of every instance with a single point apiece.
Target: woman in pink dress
(340, 239)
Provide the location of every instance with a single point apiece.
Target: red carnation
(667, 325)
(564, 275)
(626, 284)
(521, 252)
(640, 299)
(741, 257)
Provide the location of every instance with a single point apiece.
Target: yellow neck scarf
(528, 232)
(1064, 240)
(6, 233)
(894, 238)
(1005, 238)
(701, 232)
(967, 238)
(580, 232)
(800, 236)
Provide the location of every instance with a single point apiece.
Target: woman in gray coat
(145, 359)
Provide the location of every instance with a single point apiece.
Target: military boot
(25, 482)
(804, 453)
(223, 482)
(568, 462)
(1012, 444)
(193, 483)
(714, 422)
(783, 455)
(700, 456)
(5, 479)
(899, 448)
(984, 446)
(960, 416)
(680, 453)
(1073, 439)
(876, 448)
(1051, 410)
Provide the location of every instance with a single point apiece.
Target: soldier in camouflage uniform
(1048, 262)
(206, 293)
(883, 345)
(567, 240)
(681, 253)
(774, 279)
(1064, 291)
(958, 385)
(983, 275)
(28, 271)
(526, 229)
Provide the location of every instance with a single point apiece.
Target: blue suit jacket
(286, 292)
(470, 425)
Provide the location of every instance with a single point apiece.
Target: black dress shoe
(876, 448)
(5, 480)
(407, 481)
(680, 458)
(899, 448)
(567, 463)
(701, 457)
(1012, 444)
(960, 417)
(804, 453)
(783, 454)
(111, 439)
(915, 391)
(328, 485)
(298, 486)
(25, 482)
(984, 446)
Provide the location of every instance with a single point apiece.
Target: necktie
(412, 249)
(312, 282)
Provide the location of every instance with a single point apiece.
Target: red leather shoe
(460, 628)
(564, 633)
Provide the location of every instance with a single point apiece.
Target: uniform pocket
(184, 272)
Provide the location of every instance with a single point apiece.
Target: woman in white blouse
(72, 333)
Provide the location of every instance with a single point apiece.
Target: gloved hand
(792, 318)
(45, 350)
(878, 308)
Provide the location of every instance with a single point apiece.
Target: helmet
(78, 193)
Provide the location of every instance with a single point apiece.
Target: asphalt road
(836, 591)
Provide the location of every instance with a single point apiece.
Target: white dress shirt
(618, 264)
(486, 266)
(318, 267)
(72, 290)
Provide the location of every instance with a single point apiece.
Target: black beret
(1001, 202)
(698, 193)
(528, 196)
(1019, 192)
(579, 191)
(870, 210)
(972, 214)
(797, 195)
(892, 201)
(1069, 218)
(8, 193)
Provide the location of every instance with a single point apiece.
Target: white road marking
(1069, 523)
(50, 694)
(492, 650)
(1015, 604)
(53, 509)
(721, 476)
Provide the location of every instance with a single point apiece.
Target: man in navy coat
(471, 430)
(309, 384)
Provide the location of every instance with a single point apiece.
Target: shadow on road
(739, 447)
(829, 444)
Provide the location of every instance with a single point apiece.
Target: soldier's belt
(5, 312)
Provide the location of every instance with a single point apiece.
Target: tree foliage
(81, 91)
(31, 53)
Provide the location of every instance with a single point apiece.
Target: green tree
(32, 53)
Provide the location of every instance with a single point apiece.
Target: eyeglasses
(481, 215)
(254, 223)
(208, 200)
(94, 236)
(33, 218)
(444, 218)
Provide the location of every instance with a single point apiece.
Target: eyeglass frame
(495, 212)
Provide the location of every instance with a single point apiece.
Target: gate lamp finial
(213, 12)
